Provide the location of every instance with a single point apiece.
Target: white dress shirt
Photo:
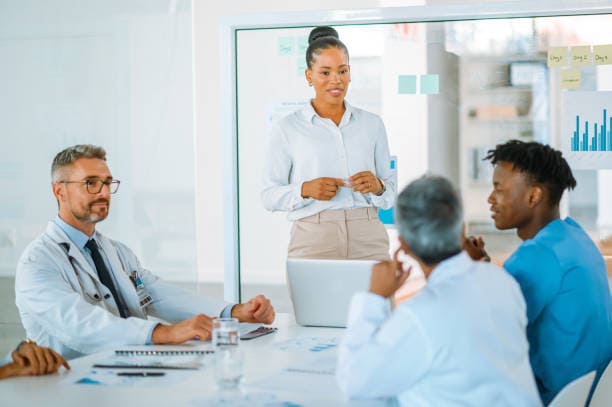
(303, 146)
(459, 342)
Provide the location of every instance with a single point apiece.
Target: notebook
(321, 290)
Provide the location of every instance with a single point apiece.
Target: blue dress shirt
(80, 240)
(563, 278)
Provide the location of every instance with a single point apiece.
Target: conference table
(292, 367)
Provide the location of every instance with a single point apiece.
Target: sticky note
(301, 45)
(406, 84)
(430, 84)
(602, 54)
(286, 46)
(557, 56)
(386, 216)
(570, 78)
(581, 55)
(300, 66)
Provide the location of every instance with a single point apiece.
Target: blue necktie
(105, 276)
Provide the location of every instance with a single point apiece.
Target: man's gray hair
(69, 155)
(429, 216)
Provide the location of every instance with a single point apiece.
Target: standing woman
(328, 164)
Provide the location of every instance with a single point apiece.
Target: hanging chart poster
(587, 125)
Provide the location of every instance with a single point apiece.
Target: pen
(141, 374)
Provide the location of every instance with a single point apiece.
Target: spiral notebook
(154, 359)
(150, 352)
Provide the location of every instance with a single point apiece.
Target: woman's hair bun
(322, 32)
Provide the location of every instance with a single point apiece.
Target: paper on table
(238, 399)
(307, 344)
(325, 365)
(108, 377)
(314, 376)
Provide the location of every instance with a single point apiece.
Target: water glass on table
(228, 358)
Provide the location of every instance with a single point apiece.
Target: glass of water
(228, 358)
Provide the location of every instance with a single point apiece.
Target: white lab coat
(64, 306)
(459, 342)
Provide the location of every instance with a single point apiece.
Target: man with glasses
(79, 292)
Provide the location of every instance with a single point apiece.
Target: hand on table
(257, 309)
(198, 327)
(30, 359)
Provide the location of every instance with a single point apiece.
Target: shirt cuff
(298, 200)
(150, 335)
(227, 311)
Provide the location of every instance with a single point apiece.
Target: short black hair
(542, 163)
(321, 38)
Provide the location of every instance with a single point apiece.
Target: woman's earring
(309, 83)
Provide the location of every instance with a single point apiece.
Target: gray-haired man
(80, 292)
(460, 341)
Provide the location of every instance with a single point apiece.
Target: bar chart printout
(587, 129)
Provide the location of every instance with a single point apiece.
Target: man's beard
(88, 216)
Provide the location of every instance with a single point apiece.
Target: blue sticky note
(386, 216)
(286, 46)
(300, 66)
(406, 84)
(301, 45)
(430, 84)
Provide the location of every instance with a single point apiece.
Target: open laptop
(321, 290)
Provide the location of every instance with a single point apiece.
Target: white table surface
(263, 359)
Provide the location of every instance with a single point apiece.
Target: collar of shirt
(76, 236)
(555, 228)
(450, 267)
(309, 113)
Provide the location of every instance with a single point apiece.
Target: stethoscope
(97, 296)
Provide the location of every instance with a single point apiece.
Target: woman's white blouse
(303, 146)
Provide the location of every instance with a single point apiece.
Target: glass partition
(447, 92)
(111, 73)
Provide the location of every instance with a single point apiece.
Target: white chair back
(602, 396)
(575, 393)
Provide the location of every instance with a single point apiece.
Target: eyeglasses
(94, 186)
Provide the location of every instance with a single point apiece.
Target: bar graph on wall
(587, 129)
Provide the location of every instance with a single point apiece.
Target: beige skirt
(340, 234)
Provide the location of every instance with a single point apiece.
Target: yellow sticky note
(581, 55)
(570, 78)
(602, 54)
(557, 56)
